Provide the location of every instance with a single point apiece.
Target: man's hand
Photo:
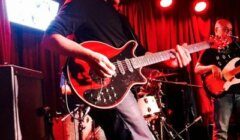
(216, 71)
(101, 65)
(182, 55)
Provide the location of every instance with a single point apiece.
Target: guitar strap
(128, 31)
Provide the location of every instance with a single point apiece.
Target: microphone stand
(78, 114)
(172, 133)
(163, 125)
(196, 120)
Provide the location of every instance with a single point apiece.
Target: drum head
(148, 106)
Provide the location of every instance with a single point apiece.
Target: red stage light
(165, 3)
(200, 6)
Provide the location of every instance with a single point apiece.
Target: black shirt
(220, 57)
(93, 20)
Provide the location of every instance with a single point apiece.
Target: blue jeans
(223, 108)
(133, 118)
(125, 122)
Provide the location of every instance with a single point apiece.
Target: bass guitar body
(230, 76)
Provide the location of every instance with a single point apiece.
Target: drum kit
(151, 104)
(149, 98)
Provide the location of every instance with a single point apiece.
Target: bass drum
(68, 129)
(148, 107)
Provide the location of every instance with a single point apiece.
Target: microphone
(234, 36)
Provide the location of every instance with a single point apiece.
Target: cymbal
(177, 83)
(167, 74)
(160, 75)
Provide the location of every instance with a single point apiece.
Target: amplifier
(20, 98)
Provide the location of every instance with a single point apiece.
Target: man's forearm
(60, 44)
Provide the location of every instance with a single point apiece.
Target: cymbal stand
(163, 125)
(84, 112)
(77, 114)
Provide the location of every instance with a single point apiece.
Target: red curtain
(157, 30)
(7, 52)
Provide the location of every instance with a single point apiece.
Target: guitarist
(99, 20)
(213, 61)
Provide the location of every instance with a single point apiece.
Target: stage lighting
(165, 3)
(200, 6)
(33, 13)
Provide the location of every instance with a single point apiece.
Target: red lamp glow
(165, 3)
(200, 6)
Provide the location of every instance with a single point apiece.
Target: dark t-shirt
(222, 57)
(93, 20)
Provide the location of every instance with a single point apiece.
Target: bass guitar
(105, 93)
(216, 87)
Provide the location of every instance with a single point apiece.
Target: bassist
(215, 65)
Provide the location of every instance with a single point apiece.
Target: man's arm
(58, 43)
(202, 69)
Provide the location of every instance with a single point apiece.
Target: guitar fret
(197, 47)
(150, 59)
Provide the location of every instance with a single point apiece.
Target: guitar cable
(67, 104)
(80, 116)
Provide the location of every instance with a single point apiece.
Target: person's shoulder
(72, 6)
(67, 2)
(210, 50)
(74, 2)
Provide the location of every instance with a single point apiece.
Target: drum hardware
(177, 83)
(151, 106)
(83, 123)
(79, 113)
(153, 114)
(163, 125)
(77, 108)
(45, 112)
(187, 126)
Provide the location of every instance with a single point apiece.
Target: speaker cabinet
(20, 98)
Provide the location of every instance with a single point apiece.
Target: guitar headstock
(219, 42)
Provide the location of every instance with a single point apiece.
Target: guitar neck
(154, 58)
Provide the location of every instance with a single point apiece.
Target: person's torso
(224, 59)
(102, 23)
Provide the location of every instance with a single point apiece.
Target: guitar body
(108, 92)
(216, 87)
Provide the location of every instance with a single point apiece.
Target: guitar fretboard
(150, 59)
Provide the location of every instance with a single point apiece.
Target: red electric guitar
(109, 92)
